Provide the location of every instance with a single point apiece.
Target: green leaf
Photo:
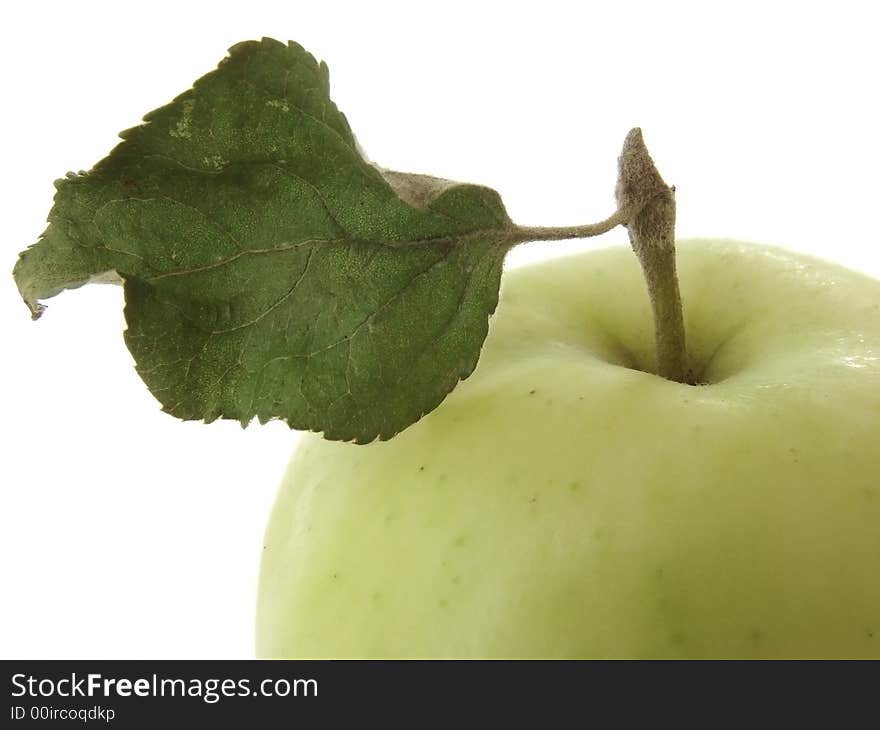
(270, 271)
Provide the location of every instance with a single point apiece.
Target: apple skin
(563, 503)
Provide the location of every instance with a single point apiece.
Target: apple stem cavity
(646, 207)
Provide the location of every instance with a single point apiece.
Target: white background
(124, 533)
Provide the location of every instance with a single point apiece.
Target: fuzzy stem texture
(646, 206)
(652, 236)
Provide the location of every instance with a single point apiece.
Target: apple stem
(646, 206)
(652, 236)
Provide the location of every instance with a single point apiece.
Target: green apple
(564, 502)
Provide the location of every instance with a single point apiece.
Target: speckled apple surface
(563, 503)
